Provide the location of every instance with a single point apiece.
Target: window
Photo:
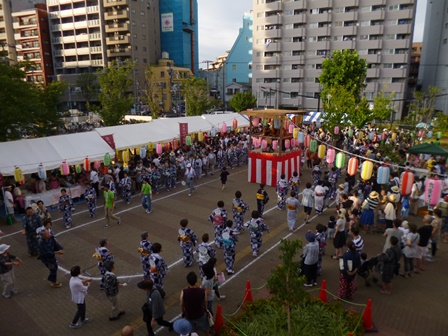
(289, 26)
(234, 80)
(287, 67)
(311, 66)
(135, 47)
(339, 24)
(142, 13)
(144, 48)
(312, 39)
(365, 23)
(314, 25)
(233, 67)
(387, 65)
(314, 11)
(145, 61)
(337, 38)
(386, 80)
(259, 80)
(366, 9)
(339, 10)
(364, 37)
(368, 95)
(309, 94)
(286, 80)
(162, 74)
(394, 7)
(445, 41)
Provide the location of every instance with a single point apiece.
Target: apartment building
(292, 38)
(7, 44)
(32, 43)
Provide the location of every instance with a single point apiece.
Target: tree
(243, 101)
(344, 69)
(150, 92)
(89, 86)
(383, 106)
(285, 282)
(361, 114)
(196, 94)
(115, 98)
(338, 105)
(422, 107)
(441, 122)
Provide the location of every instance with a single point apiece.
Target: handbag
(211, 321)
(221, 278)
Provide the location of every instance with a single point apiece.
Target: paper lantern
(86, 165)
(223, 128)
(321, 151)
(420, 134)
(258, 142)
(382, 176)
(350, 132)
(96, 165)
(367, 170)
(234, 124)
(293, 142)
(407, 182)
(301, 137)
(433, 191)
(307, 141)
(41, 172)
(18, 175)
(200, 136)
(295, 133)
(371, 136)
(276, 123)
(330, 155)
(175, 144)
(291, 129)
(313, 146)
(336, 130)
(429, 134)
(125, 155)
(213, 131)
(360, 135)
(107, 159)
(159, 148)
(353, 164)
(394, 136)
(188, 140)
(340, 160)
(167, 146)
(256, 121)
(65, 169)
(264, 144)
(143, 152)
(287, 143)
(439, 135)
(78, 169)
(275, 144)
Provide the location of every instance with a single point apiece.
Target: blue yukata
(320, 238)
(262, 199)
(46, 248)
(197, 164)
(239, 208)
(90, 197)
(30, 224)
(155, 178)
(204, 252)
(231, 158)
(157, 270)
(218, 217)
(282, 190)
(221, 157)
(239, 156)
(294, 182)
(316, 173)
(67, 207)
(187, 239)
(292, 209)
(113, 187)
(229, 239)
(145, 253)
(332, 178)
(125, 184)
(256, 228)
(103, 255)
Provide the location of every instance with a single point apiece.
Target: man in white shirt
(95, 180)
(9, 202)
(79, 289)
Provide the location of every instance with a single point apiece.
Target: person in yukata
(66, 206)
(187, 239)
(90, 197)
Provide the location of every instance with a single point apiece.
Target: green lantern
(313, 146)
(439, 135)
(107, 159)
(412, 134)
(350, 132)
(188, 140)
(340, 160)
(78, 169)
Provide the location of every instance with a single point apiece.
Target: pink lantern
(275, 144)
(97, 165)
(307, 140)
(264, 144)
(352, 166)
(336, 130)
(234, 124)
(421, 134)
(65, 170)
(159, 148)
(293, 142)
(407, 183)
(433, 191)
(287, 143)
(286, 124)
(256, 121)
(331, 154)
(223, 128)
(291, 128)
(86, 165)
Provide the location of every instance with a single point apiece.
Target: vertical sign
(167, 22)
(183, 132)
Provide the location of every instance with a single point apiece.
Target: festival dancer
(31, 222)
(282, 191)
(256, 227)
(205, 252)
(67, 207)
(319, 198)
(218, 217)
(145, 252)
(103, 255)
(292, 209)
(229, 239)
(158, 267)
(125, 184)
(294, 182)
(262, 199)
(332, 178)
(90, 197)
(239, 208)
(187, 239)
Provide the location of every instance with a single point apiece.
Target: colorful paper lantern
(321, 151)
(213, 131)
(353, 164)
(433, 191)
(295, 133)
(307, 141)
(18, 175)
(276, 123)
(223, 128)
(96, 165)
(336, 130)
(86, 165)
(340, 160)
(293, 142)
(159, 148)
(291, 129)
(200, 136)
(367, 170)
(429, 135)
(287, 143)
(107, 159)
(383, 175)
(313, 146)
(65, 169)
(275, 144)
(350, 132)
(407, 182)
(188, 140)
(421, 134)
(125, 156)
(264, 144)
(175, 144)
(394, 136)
(41, 172)
(143, 152)
(256, 121)
(301, 137)
(439, 135)
(330, 155)
(78, 169)
(234, 124)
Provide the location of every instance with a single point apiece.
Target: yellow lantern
(321, 151)
(18, 175)
(295, 133)
(367, 170)
(150, 146)
(200, 136)
(360, 135)
(125, 155)
(137, 151)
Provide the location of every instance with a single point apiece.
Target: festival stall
(275, 145)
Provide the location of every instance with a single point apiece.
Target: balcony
(323, 31)
(373, 73)
(373, 59)
(95, 50)
(342, 45)
(273, 5)
(97, 62)
(93, 9)
(324, 17)
(61, 2)
(117, 27)
(3, 36)
(376, 15)
(402, 29)
(116, 15)
(95, 36)
(349, 16)
(323, 3)
(273, 19)
(372, 30)
(112, 3)
(351, 30)
(121, 52)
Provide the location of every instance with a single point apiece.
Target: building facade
(7, 44)
(434, 54)
(292, 38)
(179, 32)
(32, 40)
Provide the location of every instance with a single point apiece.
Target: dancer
(292, 209)
(125, 184)
(256, 227)
(90, 197)
(282, 191)
(187, 239)
(239, 208)
(158, 267)
(229, 239)
(218, 217)
(205, 252)
(103, 255)
(145, 252)
(67, 207)
(262, 199)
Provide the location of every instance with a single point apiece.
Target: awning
(312, 117)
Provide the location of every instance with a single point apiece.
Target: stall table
(51, 197)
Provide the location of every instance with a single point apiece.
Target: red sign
(183, 132)
(110, 140)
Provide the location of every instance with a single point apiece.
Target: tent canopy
(427, 148)
(312, 117)
(51, 152)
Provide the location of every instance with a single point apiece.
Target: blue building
(179, 32)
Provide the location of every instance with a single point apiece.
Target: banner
(109, 140)
(183, 132)
(167, 22)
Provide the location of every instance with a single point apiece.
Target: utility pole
(207, 62)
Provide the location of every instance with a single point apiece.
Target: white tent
(51, 152)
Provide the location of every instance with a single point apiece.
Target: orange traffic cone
(248, 293)
(323, 291)
(367, 318)
(219, 321)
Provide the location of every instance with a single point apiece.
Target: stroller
(368, 269)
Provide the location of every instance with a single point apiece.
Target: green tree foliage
(383, 106)
(361, 114)
(242, 101)
(338, 105)
(197, 96)
(115, 97)
(344, 69)
(422, 107)
(150, 92)
(89, 86)
(441, 122)
(284, 282)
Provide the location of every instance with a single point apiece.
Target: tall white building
(292, 38)
(7, 43)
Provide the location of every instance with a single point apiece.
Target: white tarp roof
(51, 152)
(130, 136)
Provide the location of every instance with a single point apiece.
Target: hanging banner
(109, 140)
(183, 132)
(167, 22)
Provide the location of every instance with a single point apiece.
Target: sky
(220, 21)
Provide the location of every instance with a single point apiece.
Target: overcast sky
(219, 22)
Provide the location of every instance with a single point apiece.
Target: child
(239, 208)
(320, 238)
(292, 209)
(256, 227)
(66, 206)
(205, 252)
(218, 217)
(187, 239)
(331, 226)
(405, 207)
(103, 255)
(145, 253)
(224, 174)
(262, 199)
(90, 197)
(294, 182)
(229, 238)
